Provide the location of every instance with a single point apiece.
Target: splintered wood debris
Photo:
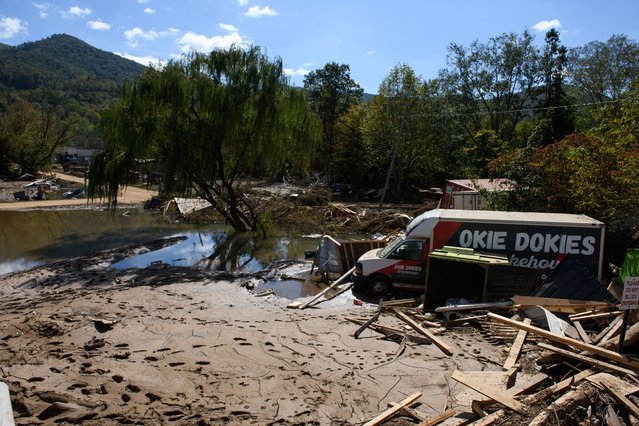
(546, 377)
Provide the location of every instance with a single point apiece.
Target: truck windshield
(390, 247)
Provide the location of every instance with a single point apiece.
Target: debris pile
(578, 374)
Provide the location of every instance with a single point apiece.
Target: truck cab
(399, 266)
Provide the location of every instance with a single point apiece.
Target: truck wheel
(379, 286)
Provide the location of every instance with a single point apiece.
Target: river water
(31, 238)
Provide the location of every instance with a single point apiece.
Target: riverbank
(82, 342)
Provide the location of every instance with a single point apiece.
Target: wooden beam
(388, 331)
(562, 305)
(515, 349)
(619, 396)
(367, 323)
(474, 306)
(438, 418)
(589, 360)
(582, 332)
(321, 293)
(385, 415)
(489, 419)
(609, 332)
(598, 315)
(566, 340)
(408, 412)
(418, 328)
(558, 387)
(491, 392)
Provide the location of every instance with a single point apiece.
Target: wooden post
(321, 293)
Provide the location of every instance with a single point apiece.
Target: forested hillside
(66, 80)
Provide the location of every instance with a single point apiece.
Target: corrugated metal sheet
(572, 280)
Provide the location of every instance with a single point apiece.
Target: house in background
(468, 194)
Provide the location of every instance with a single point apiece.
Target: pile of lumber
(568, 380)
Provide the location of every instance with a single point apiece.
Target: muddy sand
(83, 343)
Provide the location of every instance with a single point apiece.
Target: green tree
(604, 71)
(30, 134)
(396, 131)
(556, 118)
(209, 119)
(330, 91)
(492, 83)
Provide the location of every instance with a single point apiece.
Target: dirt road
(131, 195)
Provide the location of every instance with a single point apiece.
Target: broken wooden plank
(557, 387)
(582, 332)
(489, 419)
(605, 379)
(534, 382)
(581, 396)
(566, 306)
(489, 391)
(418, 328)
(619, 396)
(387, 414)
(598, 315)
(323, 292)
(609, 332)
(401, 302)
(515, 349)
(588, 360)
(294, 305)
(391, 331)
(367, 323)
(566, 340)
(408, 412)
(264, 293)
(438, 418)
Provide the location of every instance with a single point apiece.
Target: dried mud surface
(186, 346)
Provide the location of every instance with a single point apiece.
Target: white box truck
(532, 240)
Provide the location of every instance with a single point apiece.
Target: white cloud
(99, 25)
(201, 43)
(301, 71)
(258, 12)
(228, 27)
(10, 27)
(242, 2)
(546, 25)
(371, 52)
(77, 12)
(149, 11)
(134, 35)
(43, 9)
(144, 60)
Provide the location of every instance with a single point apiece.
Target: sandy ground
(193, 347)
(130, 195)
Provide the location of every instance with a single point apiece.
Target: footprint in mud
(117, 378)
(239, 339)
(245, 344)
(125, 397)
(202, 362)
(152, 397)
(133, 388)
(163, 350)
(151, 358)
(197, 346)
(175, 364)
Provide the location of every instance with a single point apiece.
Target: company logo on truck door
(532, 246)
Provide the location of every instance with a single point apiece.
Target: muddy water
(30, 238)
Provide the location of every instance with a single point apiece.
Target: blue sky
(371, 36)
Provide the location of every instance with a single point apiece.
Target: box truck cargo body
(532, 240)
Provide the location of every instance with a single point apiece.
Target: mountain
(68, 75)
(59, 61)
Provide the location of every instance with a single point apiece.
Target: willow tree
(207, 119)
